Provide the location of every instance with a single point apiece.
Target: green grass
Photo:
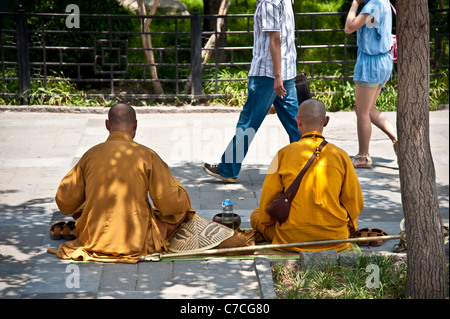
(332, 281)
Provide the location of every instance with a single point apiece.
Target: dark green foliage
(87, 35)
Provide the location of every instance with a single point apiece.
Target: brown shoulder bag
(280, 207)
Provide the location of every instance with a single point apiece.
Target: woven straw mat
(199, 234)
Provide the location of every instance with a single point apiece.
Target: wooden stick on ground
(159, 256)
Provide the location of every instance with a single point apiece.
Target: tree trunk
(147, 44)
(426, 276)
(212, 7)
(206, 54)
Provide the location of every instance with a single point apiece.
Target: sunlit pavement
(38, 148)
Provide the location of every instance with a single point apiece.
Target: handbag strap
(293, 188)
(393, 9)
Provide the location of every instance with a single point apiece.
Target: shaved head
(122, 117)
(121, 114)
(312, 115)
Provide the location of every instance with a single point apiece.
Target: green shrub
(236, 91)
(61, 92)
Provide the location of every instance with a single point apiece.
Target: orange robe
(328, 200)
(112, 181)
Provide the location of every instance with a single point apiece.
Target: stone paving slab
(38, 149)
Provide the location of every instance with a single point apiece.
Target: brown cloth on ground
(241, 238)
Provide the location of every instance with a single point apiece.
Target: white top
(274, 15)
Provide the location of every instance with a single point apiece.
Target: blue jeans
(261, 96)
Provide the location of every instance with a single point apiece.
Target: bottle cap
(226, 203)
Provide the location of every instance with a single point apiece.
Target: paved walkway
(38, 148)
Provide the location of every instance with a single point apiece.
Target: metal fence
(105, 58)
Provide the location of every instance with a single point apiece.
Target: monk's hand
(278, 87)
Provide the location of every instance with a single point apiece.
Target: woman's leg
(382, 122)
(365, 98)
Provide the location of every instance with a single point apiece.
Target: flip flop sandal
(368, 161)
(395, 145)
(56, 230)
(376, 232)
(68, 230)
(362, 232)
(379, 231)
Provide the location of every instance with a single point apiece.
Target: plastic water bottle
(228, 214)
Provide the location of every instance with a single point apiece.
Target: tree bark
(147, 44)
(426, 276)
(206, 54)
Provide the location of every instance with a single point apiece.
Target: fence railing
(37, 49)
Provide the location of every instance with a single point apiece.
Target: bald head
(121, 114)
(122, 117)
(312, 116)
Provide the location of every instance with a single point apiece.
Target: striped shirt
(274, 15)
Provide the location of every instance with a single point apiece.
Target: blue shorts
(371, 85)
(373, 68)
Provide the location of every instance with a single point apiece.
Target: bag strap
(393, 9)
(293, 188)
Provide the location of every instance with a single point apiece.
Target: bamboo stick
(160, 256)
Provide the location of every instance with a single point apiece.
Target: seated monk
(329, 199)
(111, 183)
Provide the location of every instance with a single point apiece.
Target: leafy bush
(236, 91)
(61, 92)
(57, 92)
(337, 94)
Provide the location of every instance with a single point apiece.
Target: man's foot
(213, 170)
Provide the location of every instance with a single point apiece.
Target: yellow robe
(118, 224)
(329, 198)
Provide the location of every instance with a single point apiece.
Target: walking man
(271, 82)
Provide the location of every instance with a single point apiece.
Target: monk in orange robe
(329, 199)
(111, 183)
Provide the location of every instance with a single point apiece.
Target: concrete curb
(139, 109)
(104, 110)
(264, 275)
